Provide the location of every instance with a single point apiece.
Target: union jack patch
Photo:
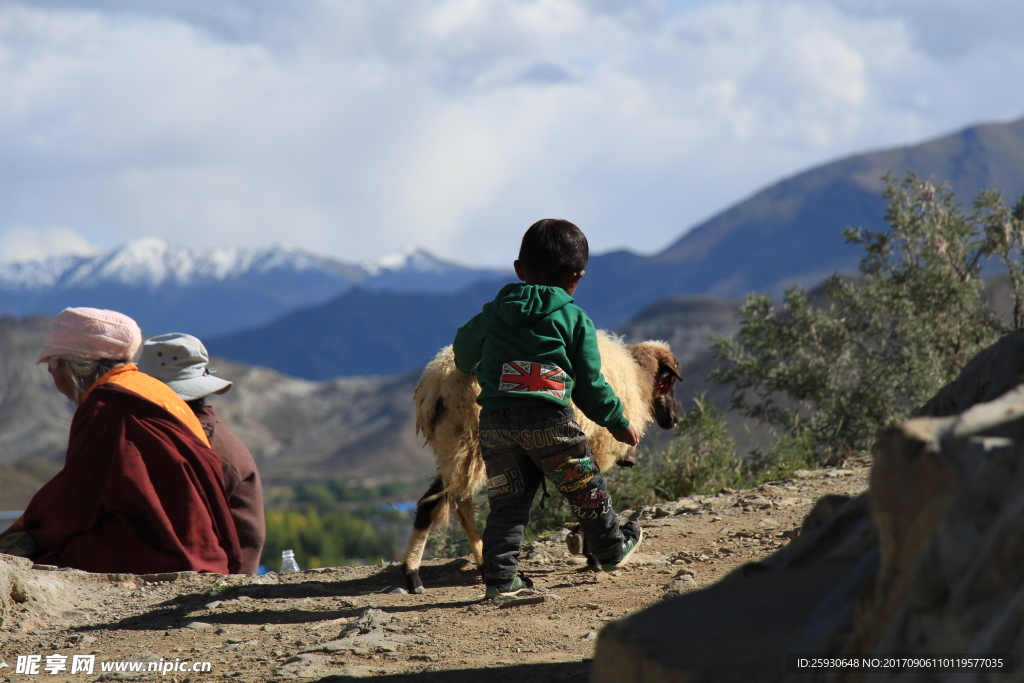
(527, 376)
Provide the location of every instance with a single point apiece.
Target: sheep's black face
(665, 407)
(665, 411)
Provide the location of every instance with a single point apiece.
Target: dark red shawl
(139, 493)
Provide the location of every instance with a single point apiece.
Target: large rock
(795, 601)
(930, 561)
(986, 377)
(32, 598)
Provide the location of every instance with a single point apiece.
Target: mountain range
(166, 287)
(318, 318)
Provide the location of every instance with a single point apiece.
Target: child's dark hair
(553, 248)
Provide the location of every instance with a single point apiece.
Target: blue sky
(354, 129)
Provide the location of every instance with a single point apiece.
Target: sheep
(448, 417)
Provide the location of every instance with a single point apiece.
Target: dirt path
(343, 622)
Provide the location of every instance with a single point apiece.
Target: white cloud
(29, 244)
(355, 129)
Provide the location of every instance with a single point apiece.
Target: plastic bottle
(288, 563)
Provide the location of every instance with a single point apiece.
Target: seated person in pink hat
(181, 362)
(141, 491)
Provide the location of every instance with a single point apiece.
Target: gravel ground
(337, 623)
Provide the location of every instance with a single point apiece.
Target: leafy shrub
(831, 372)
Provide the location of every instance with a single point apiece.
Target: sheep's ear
(666, 368)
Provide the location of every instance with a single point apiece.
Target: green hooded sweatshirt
(532, 344)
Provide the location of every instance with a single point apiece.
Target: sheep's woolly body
(448, 415)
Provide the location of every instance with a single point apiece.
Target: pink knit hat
(92, 333)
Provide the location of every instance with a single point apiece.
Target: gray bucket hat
(180, 361)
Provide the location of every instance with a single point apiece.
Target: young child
(532, 350)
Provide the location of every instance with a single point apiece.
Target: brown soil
(290, 626)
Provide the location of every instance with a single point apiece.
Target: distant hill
(789, 233)
(685, 322)
(358, 333)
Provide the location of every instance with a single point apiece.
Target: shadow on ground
(290, 607)
(527, 673)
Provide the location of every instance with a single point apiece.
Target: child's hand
(627, 436)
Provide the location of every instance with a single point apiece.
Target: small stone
(369, 620)
(656, 563)
(221, 631)
(592, 635)
(215, 604)
(519, 602)
(165, 577)
(198, 625)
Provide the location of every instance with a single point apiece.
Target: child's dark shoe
(634, 535)
(517, 585)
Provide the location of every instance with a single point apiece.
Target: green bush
(329, 539)
(831, 372)
(333, 523)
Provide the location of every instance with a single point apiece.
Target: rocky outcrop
(930, 561)
(31, 597)
(986, 377)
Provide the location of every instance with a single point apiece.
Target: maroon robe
(242, 485)
(139, 493)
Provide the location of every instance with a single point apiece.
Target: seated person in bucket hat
(141, 491)
(181, 361)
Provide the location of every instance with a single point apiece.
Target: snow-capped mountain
(151, 262)
(216, 290)
(411, 259)
(417, 270)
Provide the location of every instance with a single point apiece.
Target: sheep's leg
(464, 513)
(427, 508)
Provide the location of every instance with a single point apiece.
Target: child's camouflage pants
(520, 447)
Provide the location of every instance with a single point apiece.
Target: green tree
(830, 371)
